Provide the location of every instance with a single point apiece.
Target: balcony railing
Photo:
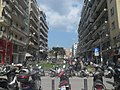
(18, 41)
(34, 14)
(34, 22)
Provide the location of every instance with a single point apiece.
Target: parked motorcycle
(98, 79)
(8, 79)
(64, 83)
(83, 73)
(117, 79)
(52, 72)
(108, 73)
(29, 80)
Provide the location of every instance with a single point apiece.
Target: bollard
(85, 84)
(53, 84)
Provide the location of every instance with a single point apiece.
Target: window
(112, 11)
(113, 25)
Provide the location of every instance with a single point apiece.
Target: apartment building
(13, 30)
(43, 41)
(20, 31)
(94, 30)
(38, 32)
(33, 46)
(114, 22)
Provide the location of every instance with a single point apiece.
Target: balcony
(20, 12)
(34, 6)
(33, 21)
(18, 41)
(18, 30)
(23, 3)
(34, 14)
(33, 29)
(96, 43)
(101, 28)
(85, 30)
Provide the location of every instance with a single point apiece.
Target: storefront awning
(28, 55)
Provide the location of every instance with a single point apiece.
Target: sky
(62, 17)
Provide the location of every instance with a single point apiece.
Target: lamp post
(101, 56)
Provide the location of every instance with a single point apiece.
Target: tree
(57, 51)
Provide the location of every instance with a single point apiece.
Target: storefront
(5, 51)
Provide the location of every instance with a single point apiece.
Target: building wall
(93, 30)
(19, 29)
(43, 36)
(14, 25)
(114, 14)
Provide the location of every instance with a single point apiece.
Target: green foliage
(46, 66)
(57, 51)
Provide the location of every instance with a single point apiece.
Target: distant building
(74, 50)
(68, 53)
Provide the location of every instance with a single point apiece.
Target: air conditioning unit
(1, 34)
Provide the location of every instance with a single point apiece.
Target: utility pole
(101, 55)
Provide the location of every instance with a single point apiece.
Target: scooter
(9, 83)
(117, 79)
(108, 73)
(29, 80)
(98, 79)
(64, 81)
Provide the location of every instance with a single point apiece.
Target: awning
(28, 55)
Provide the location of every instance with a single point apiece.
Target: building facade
(43, 41)
(13, 30)
(114, 22)
(94, 30)
(74, 50)
(33, 45)
(19, 30)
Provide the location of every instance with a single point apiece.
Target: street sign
(96, 51)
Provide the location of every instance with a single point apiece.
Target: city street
(76, 83)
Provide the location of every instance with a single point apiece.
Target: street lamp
(101, 55)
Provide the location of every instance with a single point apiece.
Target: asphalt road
(76, 83)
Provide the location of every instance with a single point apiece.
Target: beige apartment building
(114, 22)
(99, 29)
(13, 30)
(33, 46)
(19, 30)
